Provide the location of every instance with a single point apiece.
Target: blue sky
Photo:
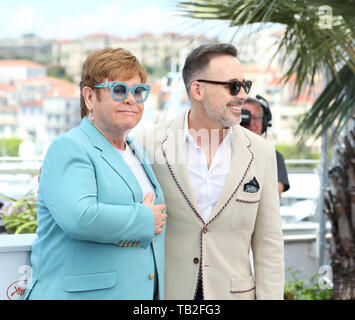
(68, 19)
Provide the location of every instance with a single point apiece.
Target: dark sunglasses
(234, 86)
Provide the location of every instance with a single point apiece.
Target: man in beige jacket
(220, 187)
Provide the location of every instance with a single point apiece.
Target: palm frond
(309, 52)
(334, 106)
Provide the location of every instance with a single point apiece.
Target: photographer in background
(256, 117)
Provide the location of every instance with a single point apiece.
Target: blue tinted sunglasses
(120, 90)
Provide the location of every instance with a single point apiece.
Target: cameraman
(256, 117)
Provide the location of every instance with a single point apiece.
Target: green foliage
(297, 152)
(341, 87)
(155, 72)
(20, 216)
(9, 147)
(303, 290)
(58, 71)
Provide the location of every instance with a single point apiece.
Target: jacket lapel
(242, 158)
(143, 158)
(113, 158)
(173, 149)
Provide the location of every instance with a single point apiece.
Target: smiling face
(222, 109)
(115, 118)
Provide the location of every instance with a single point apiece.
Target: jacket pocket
(89, 281)
(248, 197)
(245, 210)
(243, 288)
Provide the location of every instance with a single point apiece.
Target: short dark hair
(200, 57)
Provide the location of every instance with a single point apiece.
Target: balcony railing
(17, 165)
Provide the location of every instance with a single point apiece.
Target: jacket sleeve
(68, 189)
(267, 240)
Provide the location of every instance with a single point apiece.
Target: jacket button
(205, 230)
(151, 276)
(196, 260)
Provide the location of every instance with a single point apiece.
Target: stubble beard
(222, 116)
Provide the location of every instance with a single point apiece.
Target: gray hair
(255, 102)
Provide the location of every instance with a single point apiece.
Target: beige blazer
(219, 248)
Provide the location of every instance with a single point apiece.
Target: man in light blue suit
(101, 223)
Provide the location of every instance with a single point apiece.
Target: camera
(245, 117)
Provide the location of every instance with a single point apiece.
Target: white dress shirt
(138, 170)
(207, 183)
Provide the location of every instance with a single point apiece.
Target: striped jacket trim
(204, 229)
(241, 291)
(247, 201)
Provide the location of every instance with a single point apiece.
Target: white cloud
(115, 17)
(21, 20)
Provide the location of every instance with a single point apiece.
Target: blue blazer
(95, 240)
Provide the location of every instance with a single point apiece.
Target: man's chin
(231, 121)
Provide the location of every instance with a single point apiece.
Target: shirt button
(196, 260)
(151, 276)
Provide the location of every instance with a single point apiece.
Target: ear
(88, 95)
(196, 91)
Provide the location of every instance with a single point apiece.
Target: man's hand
(159, 216)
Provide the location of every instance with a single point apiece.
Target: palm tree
(340, 208)
(315, 45)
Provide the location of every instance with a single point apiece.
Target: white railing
(302, 161)
(17, 165)
(14, 165)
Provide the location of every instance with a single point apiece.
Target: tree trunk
(343, 282)
(340, 208)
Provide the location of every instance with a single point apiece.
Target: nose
(130, 99)
(242, 94)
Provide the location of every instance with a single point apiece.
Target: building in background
(61, 109)
(29, 47)
(31, 121)
(256, 50)
(8, 121)
(12, 70)
(153, 51)
(23, 83)
(38, 108)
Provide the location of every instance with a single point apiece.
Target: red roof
(58, 87)
(255, 68)
(275, 82)
(7, 87)
(32, 103)
(20, 63)
(63, 90)
(155, 87)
